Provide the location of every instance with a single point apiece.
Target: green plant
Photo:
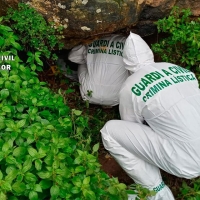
(142, 193)
(41, 152)
(34, 33)
(190, 191)
(182, 44)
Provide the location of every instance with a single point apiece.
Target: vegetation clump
(34, 32)
(40, 157)
(182, 43)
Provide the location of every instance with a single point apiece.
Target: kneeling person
(167, 98)
(101, 70)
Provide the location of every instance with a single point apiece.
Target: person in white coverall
(101, 72)
(167, 98)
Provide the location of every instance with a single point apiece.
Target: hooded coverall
(101, 72)
(167, 98)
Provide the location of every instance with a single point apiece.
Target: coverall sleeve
(126, 108)
(78, 54)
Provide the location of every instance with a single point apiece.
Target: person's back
(168, 98)
(102, 72)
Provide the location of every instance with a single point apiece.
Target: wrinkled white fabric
(101, 69)
(167, 98)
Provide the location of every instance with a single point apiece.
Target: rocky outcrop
(86, 20)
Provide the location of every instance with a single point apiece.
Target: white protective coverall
(101, 69)
(167, 97)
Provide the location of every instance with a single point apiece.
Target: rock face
(86, 20)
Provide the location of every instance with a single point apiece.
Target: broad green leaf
(91, 158)
(86, 180)
(39, 62)
(19, 107)
(76, 112)
(33, 66)
(80, 152)
(54, 191)
(6, 108)
(10, 159)
(78, 160)
(50, 127)
(34, 101)
(63, 172)
(33, 152)
(30, 139)
(5, 147)
(61, 156)
(88, 194)
(33, 195)
(131, 192)
(112, 190)
(95, 148)
(19, 151)
(1, 175)
(79, 169)
(2, 125)
(8, 84)
(34, 110)
(75, 190)
(2, 41)
(29, 177)
(21, 123)
(45, 184)
(6, 186)
(38, 164)
(13, 135)
(14, 78)
(20, 178)
(37, 188)
(16, 45)
(77, 181)
(27, 164)
(30, 54)
(4, 73)
(3, 196)
(121, 186)
(19, 187)
(43, 83)
(4, 28)
(4, 93)
(49, 158)
(16, 87)
(56, 164)
(14, 96)
(68, 91)
(12, 175)
(44, 174)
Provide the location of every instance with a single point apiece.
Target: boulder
(86, 20)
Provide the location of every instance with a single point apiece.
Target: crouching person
(167, 98)
(101, 70)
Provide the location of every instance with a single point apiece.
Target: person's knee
(109, 126)
(107, 134)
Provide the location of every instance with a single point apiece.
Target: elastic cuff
(159, 187)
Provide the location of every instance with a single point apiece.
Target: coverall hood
(136, 53)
